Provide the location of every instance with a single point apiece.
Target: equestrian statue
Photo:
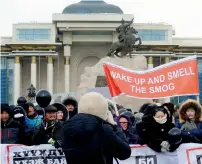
(126, 40)
(32, 93)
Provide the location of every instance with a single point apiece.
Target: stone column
(67, 54)
(167, 60)
(198, 98)
(150, 62)
(67, 74)
(33, 71)
(16, 79)
(50, 74)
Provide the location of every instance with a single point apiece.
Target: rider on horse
(122, 29)
(32, 91)
(126, 40)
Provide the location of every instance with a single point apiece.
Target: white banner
(47, 154)
(190, 154)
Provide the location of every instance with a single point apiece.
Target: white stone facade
(81, 40)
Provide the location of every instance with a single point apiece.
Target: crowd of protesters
(101, 128)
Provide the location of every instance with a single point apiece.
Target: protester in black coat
(50, 130)
(71, 106)
(11, 131)
(62, 112)
(89, 138)
(154, 128)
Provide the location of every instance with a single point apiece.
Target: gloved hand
(110, 118)
(163, 150)
(165, 145)
(51, 141)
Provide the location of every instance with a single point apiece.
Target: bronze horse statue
(126, 45)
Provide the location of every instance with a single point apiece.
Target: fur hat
(70, 101)
(5, 108)
(95, 104)
(190, 104)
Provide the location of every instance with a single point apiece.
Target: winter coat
(71, 101)
(89, 139)
(132, 138)
(12, 133)
(34, 120)
(129, 115)
(43, 134)
(194, 135)
(153, 133)
(23, 120)
(33, 123)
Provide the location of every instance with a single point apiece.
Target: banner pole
(197, 98)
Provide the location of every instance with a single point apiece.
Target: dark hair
(170, 107)
(50, 108)
(144, 107)
(129, 110)
(160, 109)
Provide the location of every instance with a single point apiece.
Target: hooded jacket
(19, 115)
(89, 139)
(61, 107)
(11, 131)
(34, 121)
(132, 138)
(194, 135)
(151, 132)
(71, 101)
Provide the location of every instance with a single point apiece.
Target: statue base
(91, 74)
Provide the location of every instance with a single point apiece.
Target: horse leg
(130, 50)
(109, 54)
(139, 40)
(116, 53)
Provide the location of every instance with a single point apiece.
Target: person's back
(89, 139)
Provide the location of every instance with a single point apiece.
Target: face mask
(161, 120)
(18, 115)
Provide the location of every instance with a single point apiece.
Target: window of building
(3, 62)
(153, 35)
(7, 73)
(200, 77)
(33, 34)
(3, 85)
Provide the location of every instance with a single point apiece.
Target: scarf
(189, 125)
(161, 120)
(32, 116)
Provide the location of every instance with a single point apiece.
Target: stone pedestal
(88, 79)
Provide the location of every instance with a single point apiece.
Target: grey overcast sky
(184, 15)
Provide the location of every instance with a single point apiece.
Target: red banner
(176, 78)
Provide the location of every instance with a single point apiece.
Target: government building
(53, 55)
